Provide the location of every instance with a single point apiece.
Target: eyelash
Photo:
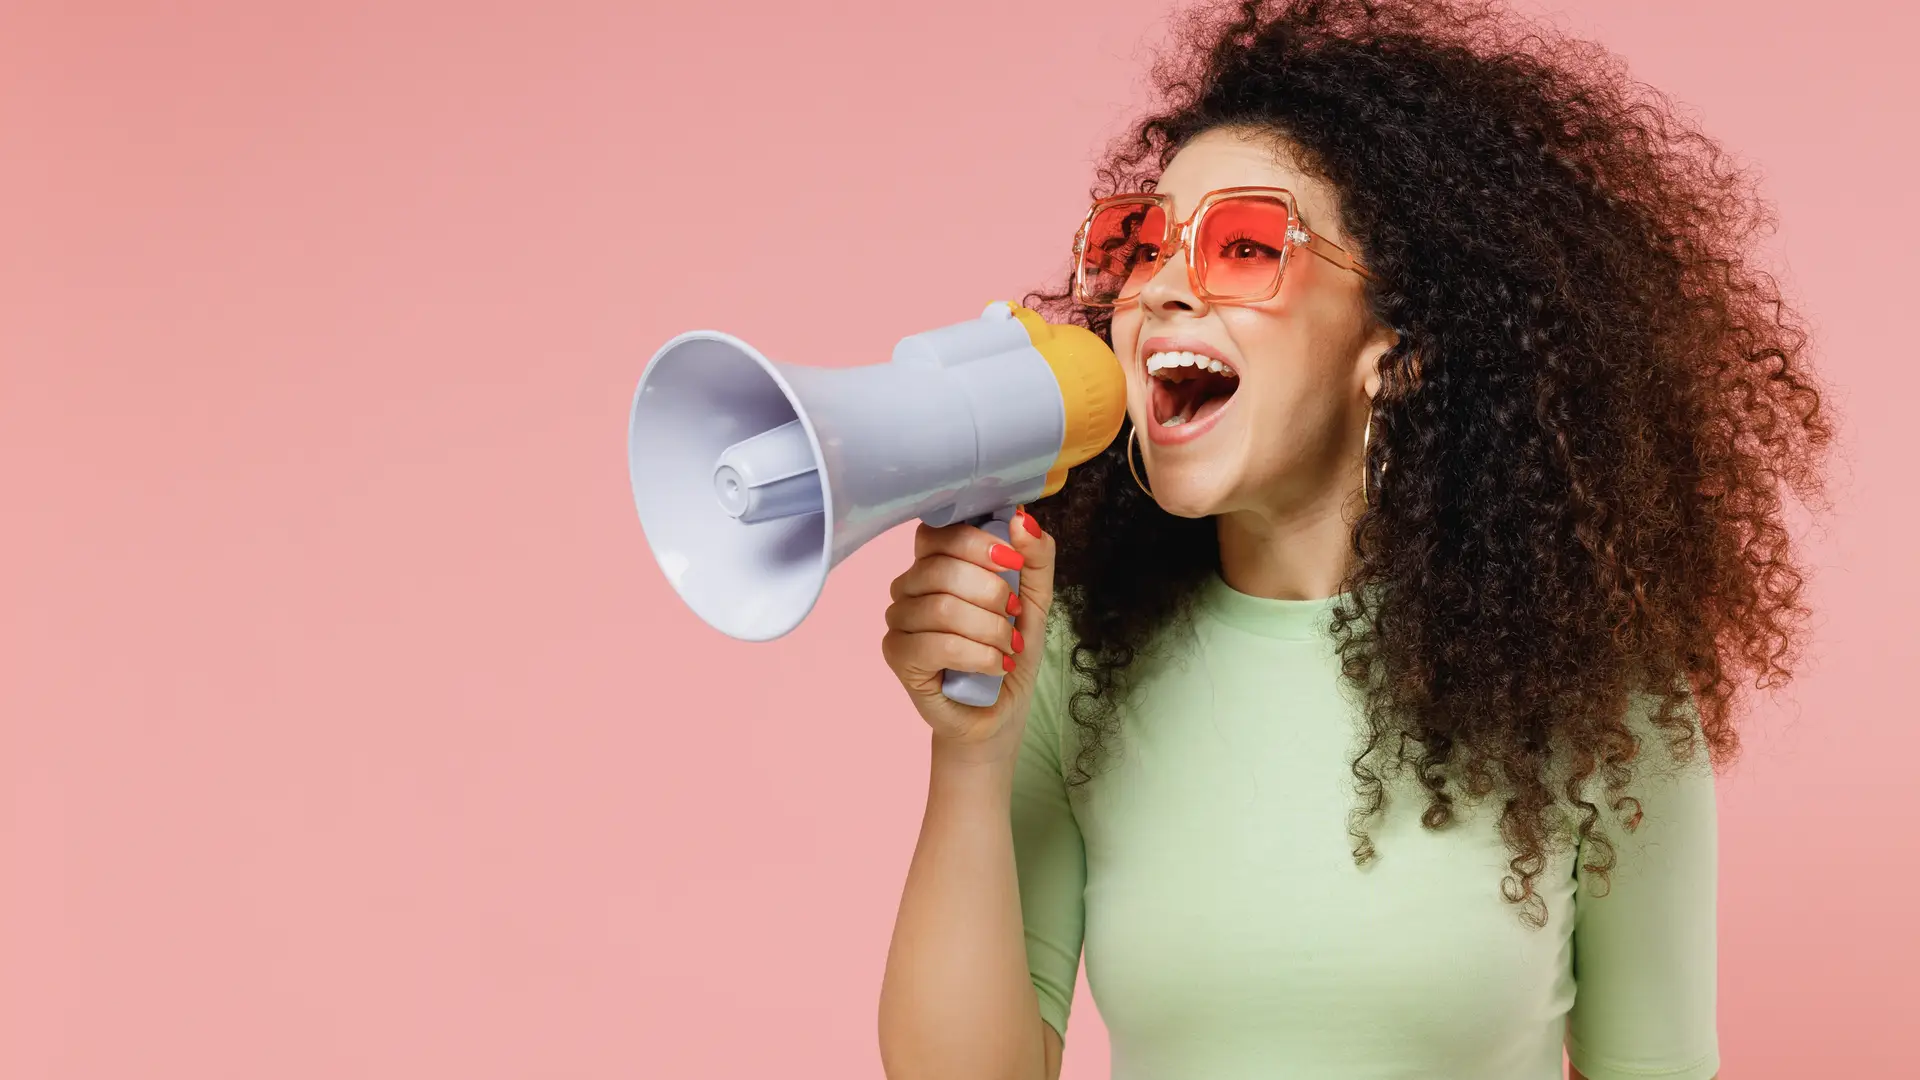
(1230, 241)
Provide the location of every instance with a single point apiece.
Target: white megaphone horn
(754, 479)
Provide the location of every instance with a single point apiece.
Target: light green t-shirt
(1228, 933)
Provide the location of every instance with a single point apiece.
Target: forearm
(957, 1000)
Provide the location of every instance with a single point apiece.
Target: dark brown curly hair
(1582, 440)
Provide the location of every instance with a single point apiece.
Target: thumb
(1036, 575)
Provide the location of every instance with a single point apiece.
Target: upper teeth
(1159, 362)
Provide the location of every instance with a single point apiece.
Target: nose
(1169, 288)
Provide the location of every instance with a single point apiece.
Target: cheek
(1125, 335)
(1300, 361)
(1290, 411)
(1289, 433)
(1298, 396)
(1125, 332)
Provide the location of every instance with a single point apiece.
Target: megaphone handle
(973, 687)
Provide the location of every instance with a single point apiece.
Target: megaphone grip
(973, 687)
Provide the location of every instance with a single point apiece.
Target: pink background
(348, 729)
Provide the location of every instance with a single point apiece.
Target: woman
(1373, 732)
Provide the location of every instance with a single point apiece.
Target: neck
(1301, 553)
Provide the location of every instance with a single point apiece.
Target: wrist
(993, 754)
(962, 782)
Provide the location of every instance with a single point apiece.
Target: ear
(1383, 341)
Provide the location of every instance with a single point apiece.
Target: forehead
(1221, 159)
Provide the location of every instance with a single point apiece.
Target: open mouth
(1188, 386)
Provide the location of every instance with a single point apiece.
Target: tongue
(1208, 408)
(1200, 398)
(1195, 397)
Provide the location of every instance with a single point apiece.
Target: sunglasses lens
(1122, 251)
(1242, 246)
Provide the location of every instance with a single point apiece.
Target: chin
(1195, 510)
(1183, 494)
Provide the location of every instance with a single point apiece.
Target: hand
(950, 610)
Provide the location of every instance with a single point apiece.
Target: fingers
(1036, 548)
(1033, 543)
(1032, 549)
(950, 607)
(927, 653)
(945, 614)
(968, 543)
(956, 576)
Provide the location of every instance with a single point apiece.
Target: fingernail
(1019, 643)
(1032, 525)
(1006, 663)
(1007, 557)
(1013, 604)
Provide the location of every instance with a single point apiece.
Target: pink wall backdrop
(347, 729)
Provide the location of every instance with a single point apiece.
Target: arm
(1644, 947)
(986, 944)
(957, 1000)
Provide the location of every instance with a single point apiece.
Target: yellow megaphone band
(1092, 386)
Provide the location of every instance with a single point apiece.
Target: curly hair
(1582, 440)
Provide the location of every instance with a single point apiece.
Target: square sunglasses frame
(1180, 238)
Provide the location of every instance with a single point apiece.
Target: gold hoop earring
(1133, 436)
(1366, 439)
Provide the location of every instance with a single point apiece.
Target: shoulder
(1663, 791)
(1657, 741)
(1669, 746)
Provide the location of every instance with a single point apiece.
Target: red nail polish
(1007, 557)
(1013, 604)
(1032, 525)
(1019, 644)
(1006, 663)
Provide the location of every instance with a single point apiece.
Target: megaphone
(754, 479)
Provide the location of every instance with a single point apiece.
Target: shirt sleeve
(1644, 945)
(1049, 854)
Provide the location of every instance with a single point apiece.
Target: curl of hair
(1582, 440)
